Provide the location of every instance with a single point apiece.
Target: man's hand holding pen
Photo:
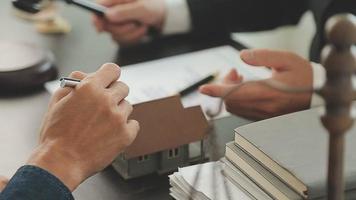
(86, 127)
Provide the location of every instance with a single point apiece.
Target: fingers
(107, 74)
(125, 12)
(125, 109)
(134, 127)
(119, 91)
(3, 182)
(278, 60)
(62, 92)
(233, 77)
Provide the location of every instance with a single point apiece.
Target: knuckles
(87, 86)
(76, 74)
(124, 88)
(111, 67)
(119, 118)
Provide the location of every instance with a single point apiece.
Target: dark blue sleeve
(34, 183)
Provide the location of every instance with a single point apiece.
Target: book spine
(284, 175)
(243, 166)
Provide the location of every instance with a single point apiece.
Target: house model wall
(162, 144)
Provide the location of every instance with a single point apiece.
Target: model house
(162, 145)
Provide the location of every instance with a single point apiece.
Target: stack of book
(286, 157)
(281, 158)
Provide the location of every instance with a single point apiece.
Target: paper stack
(210, 184)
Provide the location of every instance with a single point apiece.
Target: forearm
(34, 183)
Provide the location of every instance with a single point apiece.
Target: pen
(71, 82)
(196, 85)
(93, 7)
(68, 82)
(36, 6)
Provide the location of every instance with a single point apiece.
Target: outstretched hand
(257, 101)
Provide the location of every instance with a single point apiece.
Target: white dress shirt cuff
(319, 77)
(177, 17)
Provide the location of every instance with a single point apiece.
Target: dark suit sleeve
(33, 183)
(216, 16)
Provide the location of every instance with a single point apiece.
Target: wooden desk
(83, 49)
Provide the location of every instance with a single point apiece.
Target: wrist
(53, 159)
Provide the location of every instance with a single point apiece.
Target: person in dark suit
(206, 17)
(128, 21)
(85, 128)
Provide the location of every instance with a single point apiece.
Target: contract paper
(164, 77)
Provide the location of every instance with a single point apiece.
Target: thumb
(124, 12)
(277, 60)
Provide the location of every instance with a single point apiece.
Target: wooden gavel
(339, 60)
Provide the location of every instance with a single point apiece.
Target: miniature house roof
(165, 124)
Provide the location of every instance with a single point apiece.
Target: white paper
(210, 182)
(164, 77)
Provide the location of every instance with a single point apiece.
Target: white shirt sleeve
(319, 78)
(177, 17)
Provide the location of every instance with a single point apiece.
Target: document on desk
(164, 77)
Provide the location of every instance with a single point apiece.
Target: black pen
(88, 5)
(36, 6)
(196, 85)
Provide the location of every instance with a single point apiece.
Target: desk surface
(82, 49)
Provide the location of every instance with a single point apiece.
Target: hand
(85, 127)
(129, 20)
(257, 101)
(3, 183)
